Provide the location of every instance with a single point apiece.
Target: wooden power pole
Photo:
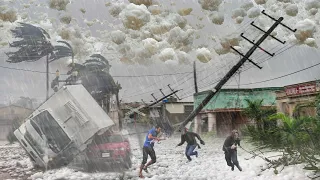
(234, 69)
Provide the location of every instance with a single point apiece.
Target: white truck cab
(62, 127)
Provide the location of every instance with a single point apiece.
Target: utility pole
(49, 61)
(47, 72)
(235, 68)
(195, 77)
(157, 101)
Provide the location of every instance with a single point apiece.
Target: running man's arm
(196, 135)
(150, 136)
(182, 140)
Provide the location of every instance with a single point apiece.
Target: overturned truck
(62, 127)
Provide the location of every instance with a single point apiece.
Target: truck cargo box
(62, 127)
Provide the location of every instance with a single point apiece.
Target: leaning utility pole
(235, 68)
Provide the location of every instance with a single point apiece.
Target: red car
(108, 149)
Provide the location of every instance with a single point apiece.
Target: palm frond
(60, 52)
(32, 43)
(99, 56)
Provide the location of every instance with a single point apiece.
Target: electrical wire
(218, 79)
(145, 75)
(279, 77)
(181, 77)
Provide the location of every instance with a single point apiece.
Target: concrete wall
(176, 108)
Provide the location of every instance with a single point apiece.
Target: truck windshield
(33, 143)
(45, 124)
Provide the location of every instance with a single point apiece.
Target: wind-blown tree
(256, 112)
(95, 77)
(34, 43)
(299, 139)
(259, 114)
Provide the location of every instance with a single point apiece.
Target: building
(293, 96)
(9, 114)
(175, 112)
(223, 112)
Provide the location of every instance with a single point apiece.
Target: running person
(148, 149)
(191, 143)
(230, 150)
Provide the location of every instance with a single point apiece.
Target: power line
(227, 65)
(245, 69)
(182, 78)
(263, 61)
(151, 85)
(187, 79)
(282, 75)
(145, 75)
(27, 70)
(218, 79)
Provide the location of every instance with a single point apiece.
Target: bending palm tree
(95, 77)
(34, 44)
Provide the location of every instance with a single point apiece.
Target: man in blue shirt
(148, 149)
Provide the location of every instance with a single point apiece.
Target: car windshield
(45, 124)
(108, 139)
(115, 138)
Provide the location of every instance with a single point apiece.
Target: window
(45, 124)
(33, 143)
(115, 138)
(107, 139)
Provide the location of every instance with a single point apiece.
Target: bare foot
(141, 176)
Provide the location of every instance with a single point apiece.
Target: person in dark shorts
(230, 150)
(148, 149)
(192, 143)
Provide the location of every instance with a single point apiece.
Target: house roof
(244, 90)
(301, 83)
(236, 98)
(179, 102)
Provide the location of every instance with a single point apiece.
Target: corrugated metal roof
(235, 98)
